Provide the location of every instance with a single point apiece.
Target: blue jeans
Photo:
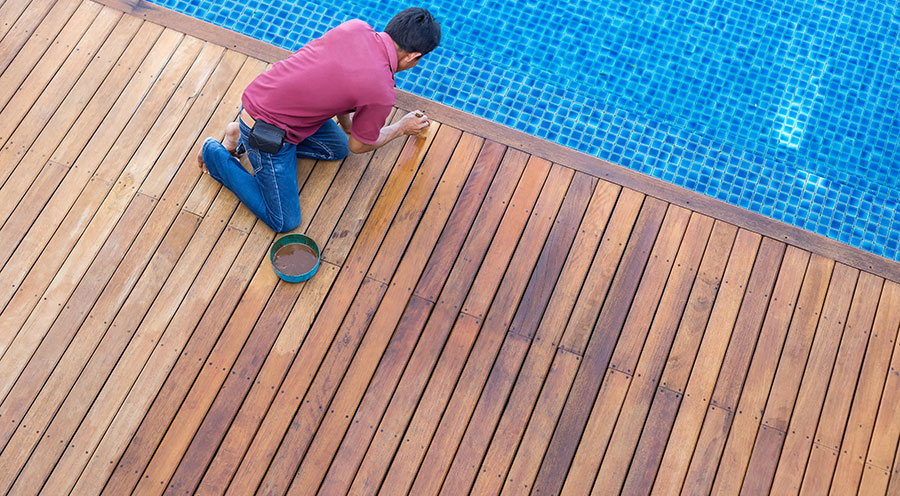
(271, 192)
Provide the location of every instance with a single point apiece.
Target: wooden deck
(494, 314)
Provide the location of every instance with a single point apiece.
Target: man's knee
(341, 151)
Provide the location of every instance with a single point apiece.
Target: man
(287, 111)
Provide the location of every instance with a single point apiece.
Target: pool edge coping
(649, 185)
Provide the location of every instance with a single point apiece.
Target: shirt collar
(390, 49)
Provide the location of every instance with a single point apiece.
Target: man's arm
(411, 124)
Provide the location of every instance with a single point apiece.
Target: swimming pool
(786, 108)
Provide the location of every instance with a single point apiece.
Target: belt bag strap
(266, 137)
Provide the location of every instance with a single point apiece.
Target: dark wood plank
(699, 387)
(714, 430)
(476, 196)
(883, 446)
(511, 424)
(623, 436)
(797, 349)
(829, 434)
(495, 392)
(441, 423)
(745, 422)
(445, 353)
(867, 397)
(599, 349)
(388, 316)
(608, 403)
(819, 367)
(382, 312)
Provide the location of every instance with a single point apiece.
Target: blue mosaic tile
(788, 108)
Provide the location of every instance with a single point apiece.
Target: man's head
(415, 32)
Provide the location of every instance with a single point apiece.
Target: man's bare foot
(232, 136)
(200, 162)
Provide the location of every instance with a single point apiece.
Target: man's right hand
(414, 122)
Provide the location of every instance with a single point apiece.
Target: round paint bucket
(294, 257)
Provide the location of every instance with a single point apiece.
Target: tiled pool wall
(785, 108)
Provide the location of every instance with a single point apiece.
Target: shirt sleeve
(368, 121)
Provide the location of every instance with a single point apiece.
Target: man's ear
(412, 57)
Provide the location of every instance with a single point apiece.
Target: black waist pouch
(266, 137)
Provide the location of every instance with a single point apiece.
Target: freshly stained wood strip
(475, 196)
(599, 349)
(869, 388)
(752, 402)
(811, 396)
(667, 308)
(829, 433)
(388, 316)
(609, 399)
(487, 405)
(445, 425)
(412, 389)
(797, 349)
(500, 451)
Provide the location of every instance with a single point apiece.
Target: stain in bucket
(295, 259)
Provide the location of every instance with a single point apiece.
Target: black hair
(414, 30)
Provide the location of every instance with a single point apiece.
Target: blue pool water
(788, 108)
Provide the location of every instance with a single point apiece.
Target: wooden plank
(64, 98)
(103, 82)
(511, 426)
(883, 446)
(808, 407)
(17, 26)
(488, 188)
(67, 278)
(486, 399)
(429, 359)
(28, 32)
(153, 427)
(608, 402)
(300, 375)
(829, 434)
(125, 34)
(867, 397)
(587, 383)
(54, 402)
(699, 387)
(80, 172)
(78, 216)
(762, 369)
(720, 413)
(22, 84)
(444, 428)
(419, 192)
(163, 358)
(667, 308)
(346, 400)
(780, 405)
